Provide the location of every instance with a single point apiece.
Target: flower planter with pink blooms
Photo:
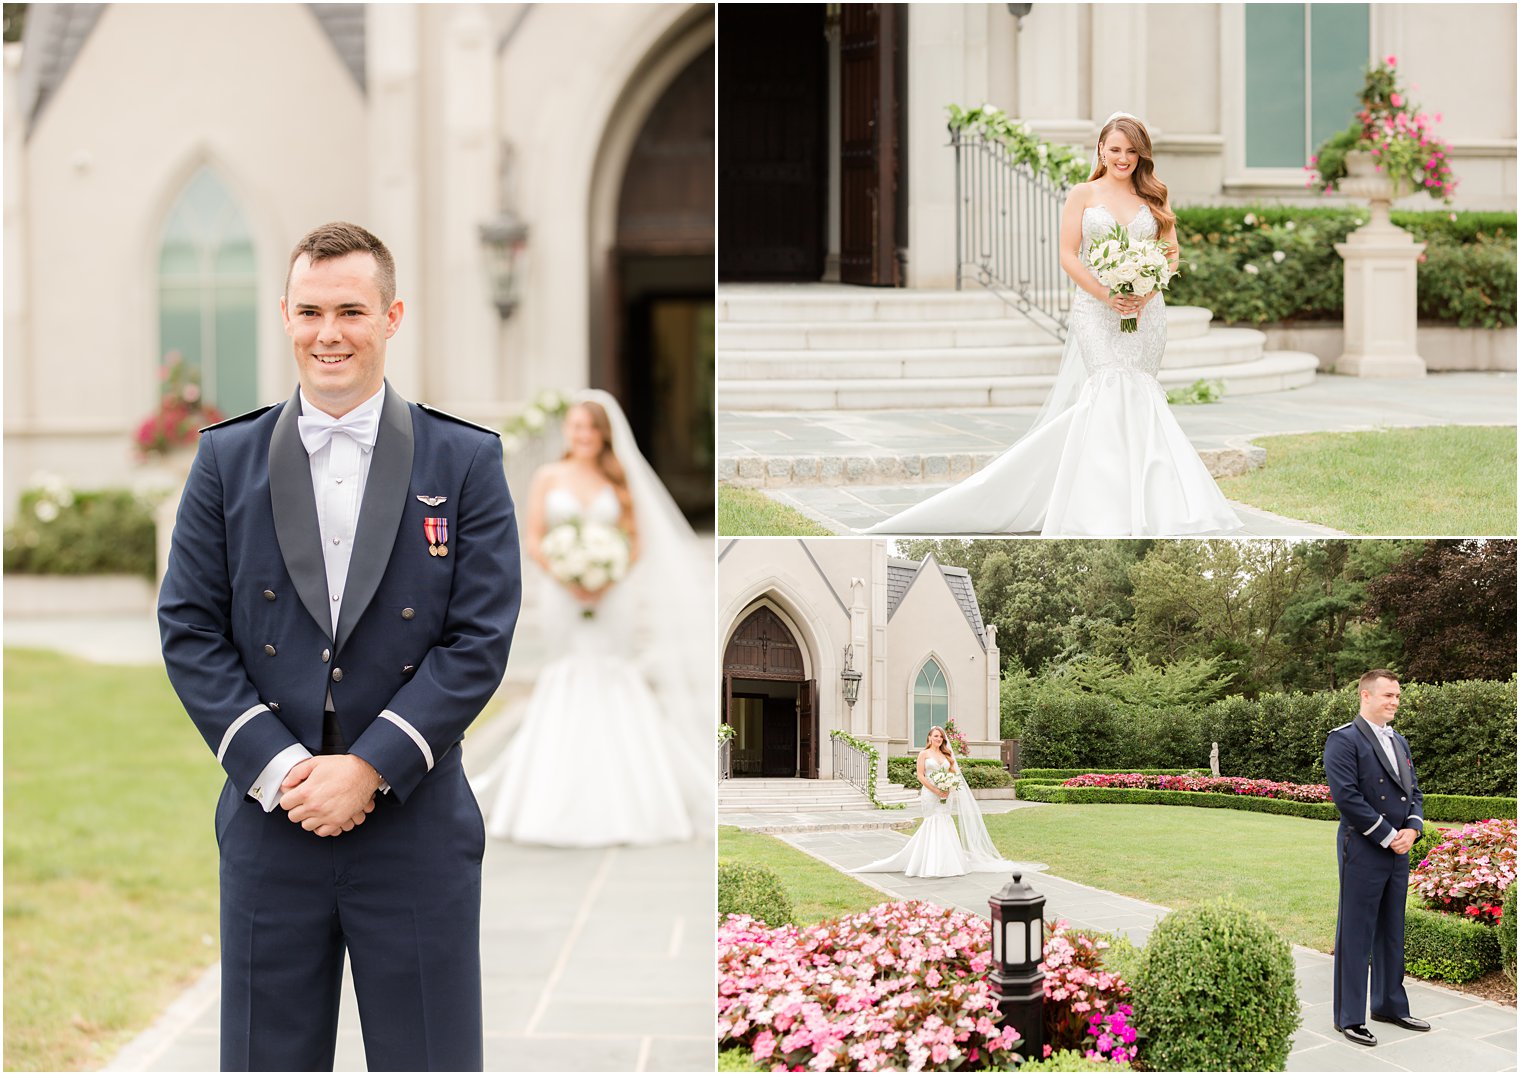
(1457, 892)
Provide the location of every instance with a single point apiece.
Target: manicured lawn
(1438, 481)
(817, 891)
(750, 513)
(110, 858)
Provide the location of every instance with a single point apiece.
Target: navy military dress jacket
(1374, 797)
(422, 642)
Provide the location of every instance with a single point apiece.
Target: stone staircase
(767, 795)
(792, 347)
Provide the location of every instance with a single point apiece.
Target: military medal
(437, 531)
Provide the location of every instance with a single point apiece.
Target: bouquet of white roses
(589, 555)
(947, 780)
(1128, 266)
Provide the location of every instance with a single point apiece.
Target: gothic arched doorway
(769, 700)
(659, 359)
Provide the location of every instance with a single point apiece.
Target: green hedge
(1467, 278)
(109, 532)
(1054, 793)
(1067, 774)
(1440, 807)
(1462, 734)
(978, 772)
(1466, 808)
(1448, 947)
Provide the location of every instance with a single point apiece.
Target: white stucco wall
(152, 97)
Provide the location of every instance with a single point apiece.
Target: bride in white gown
(936, 849)
(607, 749)
(1105, 457)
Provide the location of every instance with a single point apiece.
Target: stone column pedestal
(1380, 284)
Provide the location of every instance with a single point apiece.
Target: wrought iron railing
(725, 759)
(852, 764)
(1007, 231)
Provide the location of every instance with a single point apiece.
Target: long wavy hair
(1151, 190)
(606, 459)
(944, 744)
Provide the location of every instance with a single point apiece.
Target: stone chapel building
(791, 614)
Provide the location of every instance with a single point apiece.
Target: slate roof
(900, 576)
(55, 33)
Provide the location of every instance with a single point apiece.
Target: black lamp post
(1018, 946)
(849, 679)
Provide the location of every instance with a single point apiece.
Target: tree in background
(1453, 603)
(1331, 638)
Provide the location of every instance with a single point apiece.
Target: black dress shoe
(1357, 1035)
(1408, 1022)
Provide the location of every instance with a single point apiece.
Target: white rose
(1043, 150)
(46, 510)
(511, 442)
(1144, 286)
(594, 579)
(1278, 256)
(533, 418)
(1290, 225)
(550, 400)
(1251, 269)
(1250, 220)
(1127, 272)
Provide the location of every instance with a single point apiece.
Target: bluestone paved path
(960, 440)
(1467, 1034)
(594, 960)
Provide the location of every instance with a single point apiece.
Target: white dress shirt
(1385, 740)
(339, 471)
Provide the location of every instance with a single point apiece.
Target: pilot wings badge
(432, 501)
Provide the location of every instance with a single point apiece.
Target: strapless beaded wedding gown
(593, 763)
(1114, 464)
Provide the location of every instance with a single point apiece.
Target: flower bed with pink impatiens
(902, 986)
(1467, 872)
(1226, 785)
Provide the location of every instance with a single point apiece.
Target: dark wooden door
(763, 648)
(772, 166)
(779, 738)
(807, 728)
(869, 54)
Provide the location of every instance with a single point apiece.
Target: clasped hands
(1401, 843)
(329, 794)
(1129, 305)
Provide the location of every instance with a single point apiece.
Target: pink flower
(1390, 61)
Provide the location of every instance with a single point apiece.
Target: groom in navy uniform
(338, 606)
(1371, 775)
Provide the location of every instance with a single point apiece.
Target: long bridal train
(1105, 457)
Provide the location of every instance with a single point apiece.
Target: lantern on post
(849, 679)
(1018, 946)
(504, 238)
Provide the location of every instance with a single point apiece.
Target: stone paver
(594, 960)
(849, 486)
(1467, 1034)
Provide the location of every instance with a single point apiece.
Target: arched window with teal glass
(931, 701)
(1303, 77)
(207, 293)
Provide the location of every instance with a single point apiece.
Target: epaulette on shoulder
(238, 418)
(461, 421)
(1343, 727)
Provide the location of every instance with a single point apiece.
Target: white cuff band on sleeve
(237, 726)
(416, 736)
(1375, 824)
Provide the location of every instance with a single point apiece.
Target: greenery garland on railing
(872, 757)
(725, 732)
(518, 429)
(1060, 164)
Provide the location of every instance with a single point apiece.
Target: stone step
(736, 337)
(1220, 347)
(839, 302)
(1270, 372)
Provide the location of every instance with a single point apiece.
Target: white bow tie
(317, 429)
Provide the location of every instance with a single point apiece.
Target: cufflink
(257, 793)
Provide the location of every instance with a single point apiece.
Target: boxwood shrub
(1447, 947)
(1215, 992)
(978, 772)
(1507, 932)
(745, 888)
(107, 532)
